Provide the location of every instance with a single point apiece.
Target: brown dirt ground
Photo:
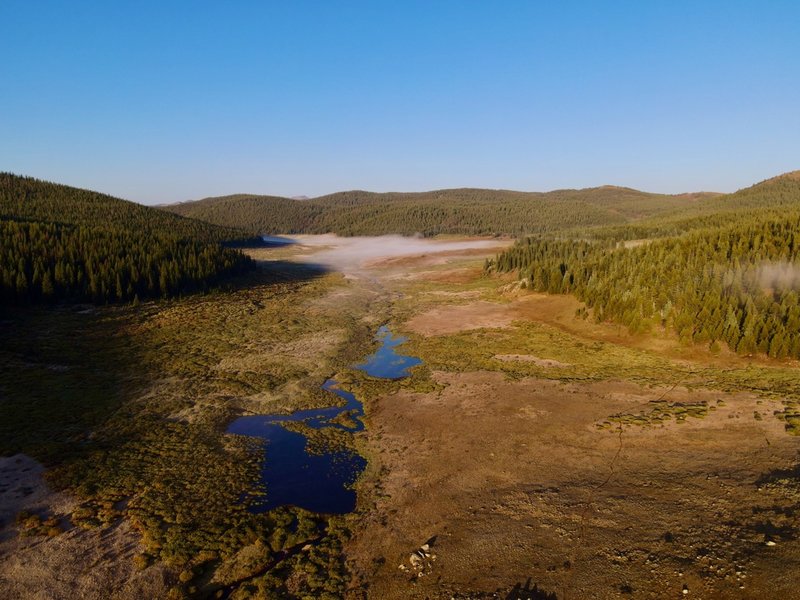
(515, 482)
(461, 317)
(92, 564)
(559, 311)
(524, 497)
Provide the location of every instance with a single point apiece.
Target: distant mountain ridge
(448, 211)
(475, 211)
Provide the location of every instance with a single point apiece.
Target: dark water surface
(386, 363)
(319, 483)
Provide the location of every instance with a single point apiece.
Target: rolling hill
(62, 243)
(454, 211)
(728, 272)
(770, 197)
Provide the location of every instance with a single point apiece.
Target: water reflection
(320, 483)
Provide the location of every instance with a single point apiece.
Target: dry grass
(151, 389)
(492, 445)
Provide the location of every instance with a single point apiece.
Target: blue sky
(166, 101)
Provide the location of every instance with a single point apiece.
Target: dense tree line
(456, 211)
(29, 199)
(60, 243)
(737, 284)
(609, 212)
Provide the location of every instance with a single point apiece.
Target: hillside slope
(729, 274)
(771, 197)
(63, 243)
(453, 211)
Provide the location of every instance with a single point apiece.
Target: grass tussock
(128, 407)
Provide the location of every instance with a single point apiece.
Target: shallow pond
(386, 363)
(319, 482)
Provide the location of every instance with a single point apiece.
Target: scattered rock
(421, 559)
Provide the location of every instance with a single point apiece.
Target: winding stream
(320, 483)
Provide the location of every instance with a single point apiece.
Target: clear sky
(165, 101)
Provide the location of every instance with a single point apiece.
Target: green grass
(790, 415)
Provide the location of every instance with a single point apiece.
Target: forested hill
(729, 275)
(454, 211)
(769, 197)
(62, 243)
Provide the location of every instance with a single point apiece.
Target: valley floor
(533, 454)
(554, 458)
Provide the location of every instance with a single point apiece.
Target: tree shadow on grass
(289, 271)
(524, 591)
(276, 271)
(779, 519)
(69, 368)
(790, 475)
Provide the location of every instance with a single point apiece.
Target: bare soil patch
(559, 311)
(94, 564)
(78, 563)
(22, 488)
(516, 486)
(451, 319)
